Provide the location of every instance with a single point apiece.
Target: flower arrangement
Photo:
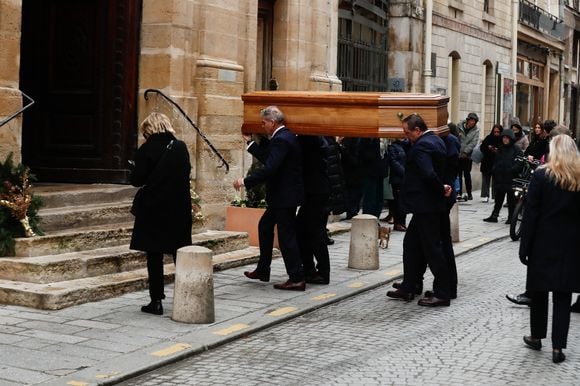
(256, 196)
(196, 212)
(18, 206)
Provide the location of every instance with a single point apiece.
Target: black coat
(551, 236)
(538, 147)
(489, 154)
(314, 168)
(397, 154)
(282, 171)
(352, 166)
(505, 166)
(163, 222)
(422, 190)
(336, 199)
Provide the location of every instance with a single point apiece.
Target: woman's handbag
(476, 154)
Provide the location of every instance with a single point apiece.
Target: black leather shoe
(155, 308)
(418, 288)
(520, 299)
(575, 307)
(400, 294)
(558, 356)
(490, 219)
(317, 279)
(291, 286)
(469, 196)
(430, 294)
(508, 221)
(255, 275)
(434, 302)
(534, 344)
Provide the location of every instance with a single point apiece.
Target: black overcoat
(551, 236)
(163, 223)
(488, 154)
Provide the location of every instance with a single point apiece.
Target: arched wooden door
(79, 62)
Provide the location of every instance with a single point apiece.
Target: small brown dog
(384, 236)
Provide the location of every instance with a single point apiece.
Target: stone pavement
(111, 340)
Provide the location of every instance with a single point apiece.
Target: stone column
(454, 219)
(193, 299)
(364, 244)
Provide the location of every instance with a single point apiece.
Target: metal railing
(541, 20)
(20, 111)
(223, 162)
(361, 66)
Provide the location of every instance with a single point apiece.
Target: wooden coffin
(346, 114)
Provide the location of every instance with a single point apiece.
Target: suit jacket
(282, 171)
(550, 236)
(422, 190)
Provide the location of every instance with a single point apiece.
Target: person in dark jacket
(337, 196)
(549, 245)
(162, 207)
(489, 148)
(282, 173)
(312, 214)
(397, 154)
(503, 171)
(423, 193)
(538, 147)
(350, 155)
(375, 165)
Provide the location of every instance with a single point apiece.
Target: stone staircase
(84, 255)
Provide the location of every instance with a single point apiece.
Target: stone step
(64, 195)
(54, 296)
(104, 261)
(88, 215)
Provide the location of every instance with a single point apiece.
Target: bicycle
(520, 188)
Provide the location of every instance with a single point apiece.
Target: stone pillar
(193, 300)
(454, 219)
(364, 244)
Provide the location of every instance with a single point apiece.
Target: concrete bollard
(193, 294)
(364, 242)
(454, 220)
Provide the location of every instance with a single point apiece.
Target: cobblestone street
(369, 339)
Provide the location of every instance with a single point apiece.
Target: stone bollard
(193, 293)
(454, 220)
(364, 242)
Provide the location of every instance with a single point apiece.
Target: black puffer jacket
(336, 200)
(505, 166)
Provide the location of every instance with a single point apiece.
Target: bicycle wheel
(516, 221)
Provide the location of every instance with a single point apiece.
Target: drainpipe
(561, 91)
(427, 72)
(515, 22)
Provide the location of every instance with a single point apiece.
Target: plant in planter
(243, 214)
(18, 206)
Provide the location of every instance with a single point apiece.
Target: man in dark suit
(282, 173)
(423, 194)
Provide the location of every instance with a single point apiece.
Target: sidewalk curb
(158, 355)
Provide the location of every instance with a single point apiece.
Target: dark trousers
(285, 219)
(155, 274)
(354, 195)
(422, 246)
(486, 185)
(373, 196)
(399, 215)
(500, 193)
(560, 316)
(465, 171)
(311, 235)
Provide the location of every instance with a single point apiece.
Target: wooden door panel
(79, 61)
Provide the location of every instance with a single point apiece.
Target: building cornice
(454, 25)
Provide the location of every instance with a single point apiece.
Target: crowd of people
(308, 178)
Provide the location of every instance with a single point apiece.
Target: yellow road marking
(104, 376)
(282, 311)
(232, 329)
(393, 272)
(324, 296)
(76, 383)
(171, 350)
(356, 284)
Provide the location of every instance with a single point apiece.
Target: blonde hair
(563, 166)
(156, 123)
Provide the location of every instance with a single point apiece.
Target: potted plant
(243, 214)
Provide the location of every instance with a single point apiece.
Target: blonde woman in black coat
(550, 243)
(162, 207)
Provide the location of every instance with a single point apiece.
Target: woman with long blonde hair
(550, 243)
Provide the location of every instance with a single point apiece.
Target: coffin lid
(346, 114)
